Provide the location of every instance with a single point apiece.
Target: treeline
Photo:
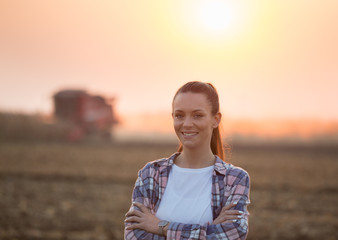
(26, 127)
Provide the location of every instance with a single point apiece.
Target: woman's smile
(189, 134)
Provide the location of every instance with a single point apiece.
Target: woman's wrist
(163, 227)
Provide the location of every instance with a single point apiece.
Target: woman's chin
(189, 144)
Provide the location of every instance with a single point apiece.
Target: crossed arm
(143, 219)
(231, 223)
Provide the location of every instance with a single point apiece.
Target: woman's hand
(227, 215)
(143, 219)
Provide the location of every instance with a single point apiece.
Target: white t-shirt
(187, 197)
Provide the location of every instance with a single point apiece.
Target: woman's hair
(210, 92)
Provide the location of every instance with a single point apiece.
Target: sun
(210, 23)
(216, 15)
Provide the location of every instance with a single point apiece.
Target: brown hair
(216, 143)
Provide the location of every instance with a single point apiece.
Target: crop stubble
(82, 191)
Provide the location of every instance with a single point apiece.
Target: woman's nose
(187, 122)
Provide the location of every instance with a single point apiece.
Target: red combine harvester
(88, 115)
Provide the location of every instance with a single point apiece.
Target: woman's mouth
(189, 134)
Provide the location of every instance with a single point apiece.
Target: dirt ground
(82, 191)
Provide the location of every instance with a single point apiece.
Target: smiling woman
(193, 194)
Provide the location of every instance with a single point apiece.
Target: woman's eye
(178, 116)
(198, 116)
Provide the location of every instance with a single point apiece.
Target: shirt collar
(220, 166)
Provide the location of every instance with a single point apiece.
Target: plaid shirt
(229, 184)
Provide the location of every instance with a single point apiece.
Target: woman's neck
(195, 158)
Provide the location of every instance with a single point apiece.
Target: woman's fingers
(134, 212)
(143, 208)
(227, 218)
(232, 212)
(142, 218)
(227, 215)
(230, 217)
(227, 207)
(134, 226)
(133, 219)
(222, 218)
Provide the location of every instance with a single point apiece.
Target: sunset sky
(268, 59)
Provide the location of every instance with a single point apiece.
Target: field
(82, 191)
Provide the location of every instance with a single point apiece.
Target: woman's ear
(217, 119)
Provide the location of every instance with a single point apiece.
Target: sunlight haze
(266, 58)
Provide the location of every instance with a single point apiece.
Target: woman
(193, 194)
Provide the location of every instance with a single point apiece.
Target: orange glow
(267, 59)
(161, 124)
(304, 128)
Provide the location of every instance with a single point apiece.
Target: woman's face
(193, 120)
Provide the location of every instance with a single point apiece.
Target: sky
(267, 59)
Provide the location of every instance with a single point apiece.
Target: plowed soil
(82, 191)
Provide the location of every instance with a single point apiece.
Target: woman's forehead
(191, 101)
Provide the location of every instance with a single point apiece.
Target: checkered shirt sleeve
(231, 187)
(146, 191)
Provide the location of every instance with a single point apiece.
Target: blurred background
(85, 102)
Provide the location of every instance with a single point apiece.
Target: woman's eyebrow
(196, 110)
